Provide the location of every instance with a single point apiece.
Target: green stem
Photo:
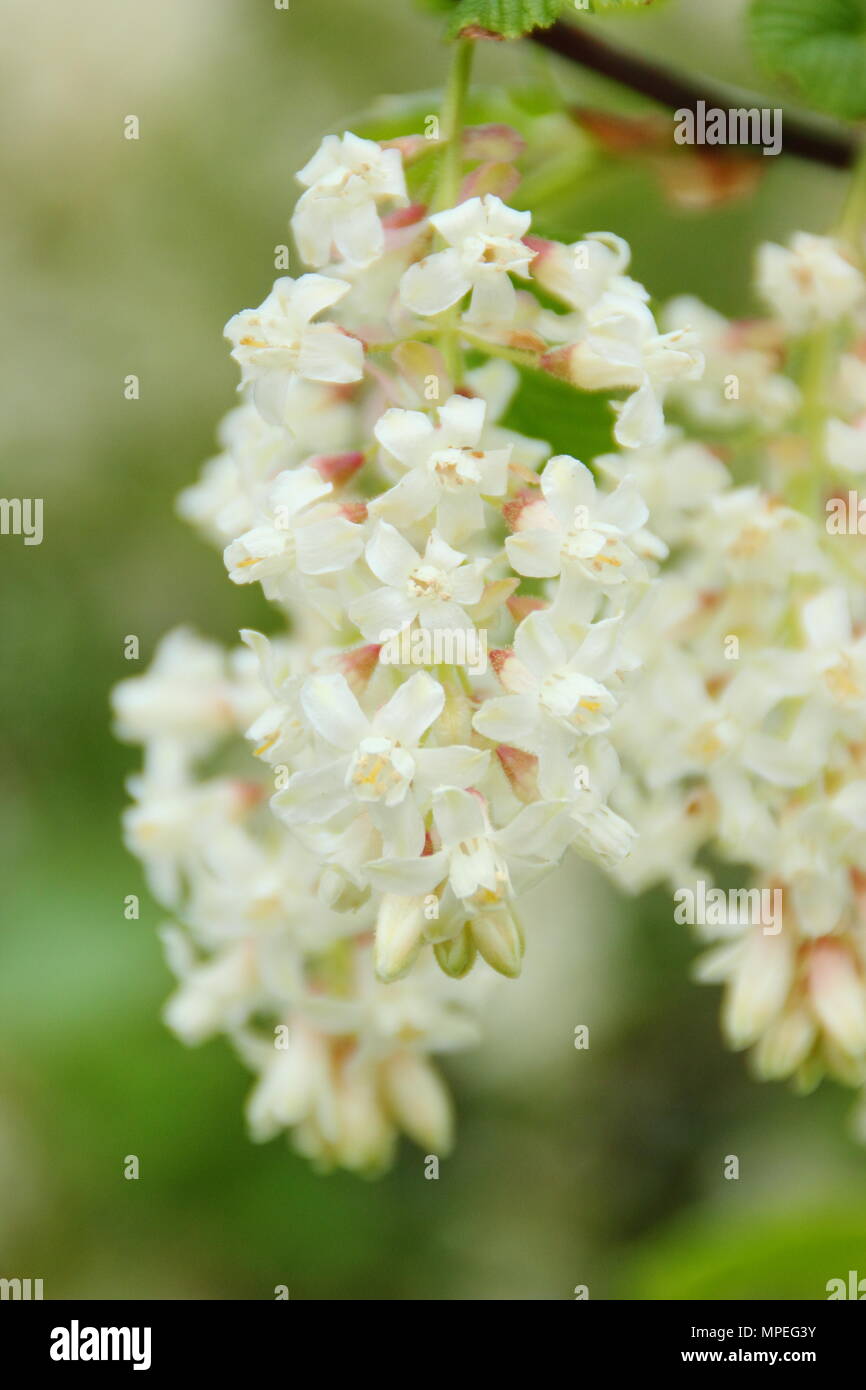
(521, 357)
(448, 185)
(852, 225)
(418, 335)
(453, 107)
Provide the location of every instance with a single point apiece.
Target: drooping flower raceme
(340, 818)
(489, 651)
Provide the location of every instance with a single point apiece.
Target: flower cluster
(744, 739)
(432, 728)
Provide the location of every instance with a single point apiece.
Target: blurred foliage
(601, 1167)
(510, 18)
(707, 1259)
(820, 45)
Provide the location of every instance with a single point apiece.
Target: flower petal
(459, 816)
(407, 501)
(391, 558)
(434, 284)
(358, 234)
(315, 794)
(324, 547)
(461, 420)
(535, 553)
(408, 876)
(333, 710)
(407, 434)
(512, 719)
(538, 646)
(458, 766)
(411, 710)
(327, 354)
(382, 611)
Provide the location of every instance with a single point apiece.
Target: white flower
(278, 345)
(809, 282)
(741, 382)
(676, 477)
(846, 445)
(556, 697)
(215, 996)
(380, 766)
(623, 347)
(432, 588)
(292, 1079)
(279, 732)
(837, 659)
(345, 181)
(171, 820)
(760, 538)
(583, 784)
(695, 731)
(581, 273)
(293, 535)
(575, 530)
(447, 469)
(837, 991)
(763, 971)
(785, 1043)
(483, 865)
(185, 695)
(345, 1105)
(217, 503)
(484, 246)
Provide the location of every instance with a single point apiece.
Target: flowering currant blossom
(431, 587)
(555, 696)
(623, 347)
(293, 536)
(342, 841)
(446, 470)
(484, 246)
(580, 274)
(278, 345)
(344, 183)
(810, 282)
(380, 767)
(576, 531)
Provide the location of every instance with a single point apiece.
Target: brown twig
(838, 151)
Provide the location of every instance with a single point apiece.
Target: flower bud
(498, 938)
(838, 994)
(399, 928)
(457, 956)
(419, 1101)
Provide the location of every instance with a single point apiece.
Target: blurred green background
(602, 1167)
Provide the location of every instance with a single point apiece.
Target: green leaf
(783, 1255)
(509, 18)
(571, 421)
(818, 44)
